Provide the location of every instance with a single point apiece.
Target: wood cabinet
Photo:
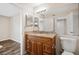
(36, 45)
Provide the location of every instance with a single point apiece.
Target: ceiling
(58, 8)
(7, 9)
(52, 8)
(26, 5)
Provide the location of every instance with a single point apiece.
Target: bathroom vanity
(40, 43)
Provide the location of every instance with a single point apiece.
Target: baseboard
(10, 39)
(5, 39)
(15, 40)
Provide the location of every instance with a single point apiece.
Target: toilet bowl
(69, 45)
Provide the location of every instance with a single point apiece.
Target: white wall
(70, 24)
(76, 23)
(10, 28)
(23, 12)
(15, 28)
(73, 23)
(4, 28)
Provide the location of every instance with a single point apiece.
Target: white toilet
(69, 45)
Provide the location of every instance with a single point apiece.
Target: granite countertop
(49, 35)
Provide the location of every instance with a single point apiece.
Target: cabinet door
(39, 48)
(29, 46)
(33, 47)
(47, 49)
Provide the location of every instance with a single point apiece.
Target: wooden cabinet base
(35, 45)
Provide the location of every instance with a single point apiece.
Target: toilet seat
(67, 53)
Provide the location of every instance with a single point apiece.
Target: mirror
(29, 20)
(36, 24)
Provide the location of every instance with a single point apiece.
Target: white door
(60, 26)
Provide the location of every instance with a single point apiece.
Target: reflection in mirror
(29, 20)
(36, 24)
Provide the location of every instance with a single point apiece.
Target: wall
(4, 28)
(77, 47)
(23, 13)
(22, 27)
(15, 28)
(76, 22)
(10, 28)
(72, 23)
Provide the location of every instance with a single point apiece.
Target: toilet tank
(68, 44)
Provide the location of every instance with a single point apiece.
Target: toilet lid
(67, 53)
